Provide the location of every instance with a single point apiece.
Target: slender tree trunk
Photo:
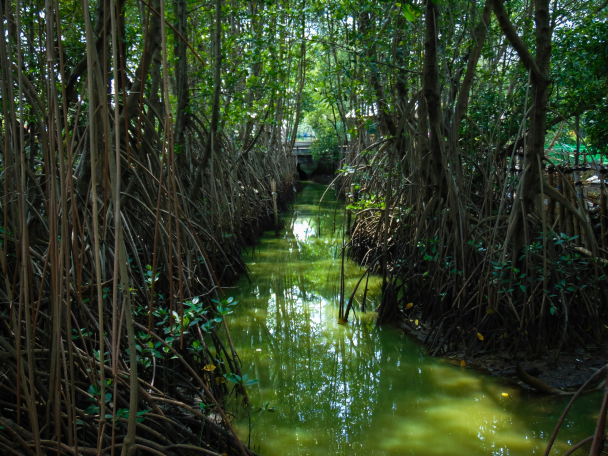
(212, 146)
(181, 75)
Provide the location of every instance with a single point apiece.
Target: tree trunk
(181, 76)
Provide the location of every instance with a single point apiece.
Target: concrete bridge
(306, 163)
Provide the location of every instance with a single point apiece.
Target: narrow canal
(357, 389)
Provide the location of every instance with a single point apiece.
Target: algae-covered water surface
(359, 389)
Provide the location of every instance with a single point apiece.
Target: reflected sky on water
(357, 389)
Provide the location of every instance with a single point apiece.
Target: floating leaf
(416, 322)
(505, 394)
(479, 336)
(463, 363)
(410, 305)
(209, 368)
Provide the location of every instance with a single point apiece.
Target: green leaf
(408, 13)
(233, 378)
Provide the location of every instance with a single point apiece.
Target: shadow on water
(358, 389)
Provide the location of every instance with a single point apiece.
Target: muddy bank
(568, 373)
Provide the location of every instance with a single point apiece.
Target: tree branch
(520, 47)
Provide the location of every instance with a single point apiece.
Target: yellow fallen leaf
(463, 363)
(490, 311)
(410, 305)
(479, 336)
(416, 322)
(505, 394)
(209, 368)
(220, 380)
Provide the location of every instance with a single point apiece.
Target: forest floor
(572, 369)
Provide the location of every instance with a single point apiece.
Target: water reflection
(357, 389)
